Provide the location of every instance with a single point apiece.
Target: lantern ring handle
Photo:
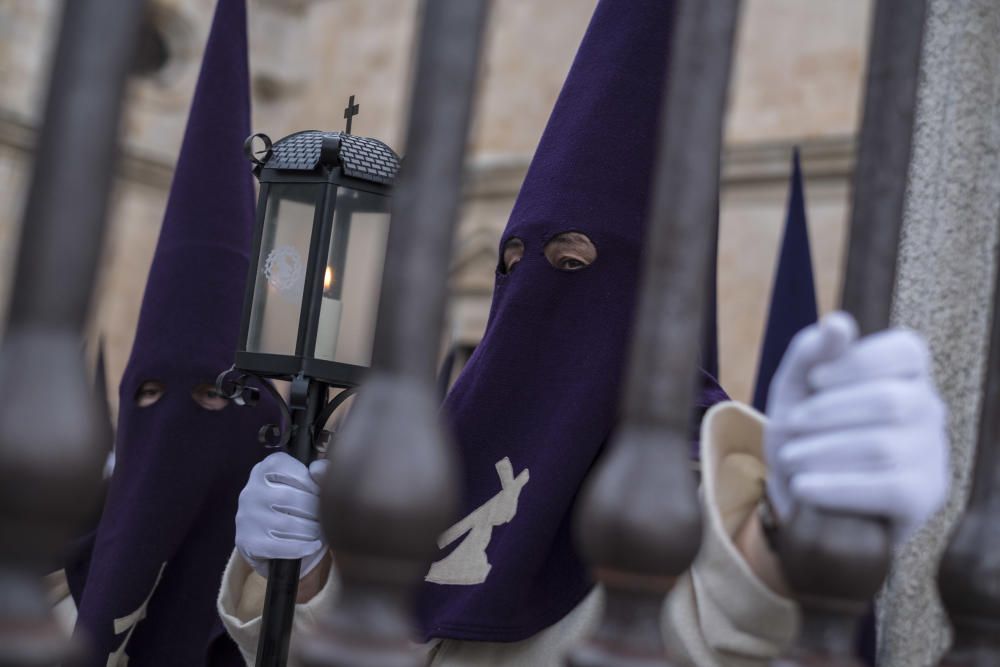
(284, 434)
(252, 154)
(237, 396)
(236, 390)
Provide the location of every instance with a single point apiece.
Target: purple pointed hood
(539, 397)
(150, 583)
(793, 293)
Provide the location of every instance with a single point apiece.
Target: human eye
(570, 264)
(149, 392)
(208, 397)
(570, 251)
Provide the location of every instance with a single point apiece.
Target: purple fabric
(180, 467)
(866, 646)
(793, 295)
(710, 336)
(542, 389)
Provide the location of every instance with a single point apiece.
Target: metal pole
(883, 161)
(390, 490)
(836, 563)
(306, 399)
(640, 524)
(970, 571)
(52, 436)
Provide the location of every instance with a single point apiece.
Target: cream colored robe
(720, 614)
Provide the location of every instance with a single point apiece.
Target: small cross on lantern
(350, 112)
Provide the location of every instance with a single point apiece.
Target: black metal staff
(640, 522)
(283, 575)
(41, 363)
(836, 563)
(308, 314)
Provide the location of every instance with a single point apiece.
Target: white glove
(278, 514)
(856, 426)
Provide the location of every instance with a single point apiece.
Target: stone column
(945, 282)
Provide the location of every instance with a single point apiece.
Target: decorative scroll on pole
(639, 524)
(53, 439)
(391, 487)
(835, 563)
(970, 571)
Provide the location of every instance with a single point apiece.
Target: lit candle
(329, 319)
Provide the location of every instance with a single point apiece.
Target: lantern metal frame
(329, 172)
(331, 161)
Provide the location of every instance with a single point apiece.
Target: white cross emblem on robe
(467, 564)
(127, 623)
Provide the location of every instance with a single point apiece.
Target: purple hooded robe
(538, 399)
(147, 585)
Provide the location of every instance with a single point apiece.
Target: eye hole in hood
(567, 251)
(149, 392)
(513, 251)
(570, 251)
(206, 395)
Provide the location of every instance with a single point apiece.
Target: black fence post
(391, 490)
(639, 523)
(834, 563)
(53, 437)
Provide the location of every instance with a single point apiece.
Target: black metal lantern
(318, 253)
(311, 300)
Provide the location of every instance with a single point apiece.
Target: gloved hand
(856, 426)
(278, 513)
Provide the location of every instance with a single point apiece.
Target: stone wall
(945, 284)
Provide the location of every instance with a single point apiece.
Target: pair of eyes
(204, 394)
(569, 251)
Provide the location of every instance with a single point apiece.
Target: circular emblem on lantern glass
(284, 269)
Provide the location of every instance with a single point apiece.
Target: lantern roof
(360, 157)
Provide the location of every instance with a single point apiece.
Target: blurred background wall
(798, 78)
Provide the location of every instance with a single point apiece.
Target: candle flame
(328, 278)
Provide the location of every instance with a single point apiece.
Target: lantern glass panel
(281, 270)
(353, 278)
